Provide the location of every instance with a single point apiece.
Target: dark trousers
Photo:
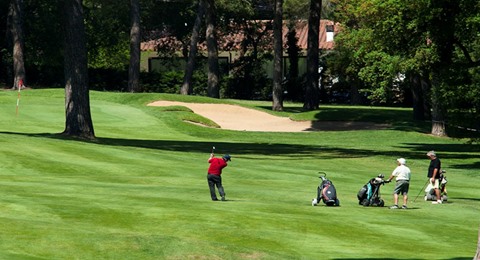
(215, 180)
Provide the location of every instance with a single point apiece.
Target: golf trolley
(369, 194)
(326, 191)
(430, 191)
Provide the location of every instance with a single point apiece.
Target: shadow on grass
(472, 199)
(445, 152)
(453, 258)
(235, 149)
(293, 151)
(396, 119)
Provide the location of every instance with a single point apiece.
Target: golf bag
(369, 194)
(326, 192)
(430, 191)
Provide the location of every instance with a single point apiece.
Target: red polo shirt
(216, 166)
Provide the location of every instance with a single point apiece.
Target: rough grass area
(139, 191)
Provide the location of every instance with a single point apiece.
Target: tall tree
(312, 94)
(442, 35)
(212, 46)
(277, 59)
(16, 30)
(77, 100)
(135, 38)
(186, 88)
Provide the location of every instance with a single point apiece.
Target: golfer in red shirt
(214, 172)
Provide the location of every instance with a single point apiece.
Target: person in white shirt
(402, 178)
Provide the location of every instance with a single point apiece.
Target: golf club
(421, 190)
(213, 149)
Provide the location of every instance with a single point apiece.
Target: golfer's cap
(431, 153)
(401, 161)
(227, 157)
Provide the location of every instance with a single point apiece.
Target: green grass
(139, 191)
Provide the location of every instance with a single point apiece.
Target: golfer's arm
(434, 173)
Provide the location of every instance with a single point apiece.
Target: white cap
(401, 161)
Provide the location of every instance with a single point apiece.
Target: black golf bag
(326, 192)
(369, 194)
(430, 191)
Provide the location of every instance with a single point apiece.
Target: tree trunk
(186, 88)
(277, 60)
(213, 70)
(77, 101)
(16, 14)
(418, 87)
(135, 38)
(438, 110)
(442, 35)
(312, 95)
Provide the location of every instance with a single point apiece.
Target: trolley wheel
(381, 203)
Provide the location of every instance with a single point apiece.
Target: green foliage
(235, 9)
(168, 18)
(5, 66)
(383, 39)
(43, 29)
(110, 57)
(248, 80)
(107, 27)
(171, 81)
(380, 70)
(299, 9)
(167, 82)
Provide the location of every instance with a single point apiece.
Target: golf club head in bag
(324, 177)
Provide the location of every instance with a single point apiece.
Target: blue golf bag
(369, 194)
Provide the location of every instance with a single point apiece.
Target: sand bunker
(233, 117)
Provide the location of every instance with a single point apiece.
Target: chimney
(329, 29)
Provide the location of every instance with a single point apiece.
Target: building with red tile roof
(233, 41)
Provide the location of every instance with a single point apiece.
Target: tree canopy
(383, 44)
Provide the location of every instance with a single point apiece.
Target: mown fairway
(140, 192)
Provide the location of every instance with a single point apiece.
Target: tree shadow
(370, 258)
(250, 150)
(452, 151)
(244, 149)
(472, 199)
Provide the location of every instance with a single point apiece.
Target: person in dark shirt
(214, 177)
(434, 174)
